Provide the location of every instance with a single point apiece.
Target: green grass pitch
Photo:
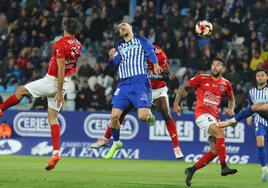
(25, 171)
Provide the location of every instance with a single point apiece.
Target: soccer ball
(203, 28)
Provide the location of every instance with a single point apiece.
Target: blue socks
(244, 114)
(116, 134)
(261, 154)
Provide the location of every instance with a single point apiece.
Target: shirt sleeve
(229, 91)
(59, 50)
(149, 49)
(195, 81)
(250, 102)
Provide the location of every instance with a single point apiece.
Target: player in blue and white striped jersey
(256, 113)
(129, 58)
(257, 95)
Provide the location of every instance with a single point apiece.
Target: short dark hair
(261, 70)
(219, 59)
(71, 25)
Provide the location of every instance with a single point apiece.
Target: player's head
(70, 26)
(124, 29)
(261, 76)
(217, 67)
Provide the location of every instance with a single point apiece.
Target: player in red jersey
(209, 90)
(160, 100)
(62, 65)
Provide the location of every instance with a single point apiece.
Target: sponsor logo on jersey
(185, 130)
(96, 124)
(35, 124)
(9, 146)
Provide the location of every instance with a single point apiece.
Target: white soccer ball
(203, 28)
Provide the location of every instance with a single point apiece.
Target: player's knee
(21, 90)
(52, 120)
(143, 116)
(114, 118)
(219, 133)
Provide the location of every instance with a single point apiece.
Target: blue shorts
(261, 130)
(135, 90)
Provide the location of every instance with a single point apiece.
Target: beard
(216, 75)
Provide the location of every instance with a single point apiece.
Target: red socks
(108, 132)
(204, 160)
(55, 135)
(221, 149)
(171, 127)
(11, 101)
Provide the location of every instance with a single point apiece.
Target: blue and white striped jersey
(257, 96)
(130, 57)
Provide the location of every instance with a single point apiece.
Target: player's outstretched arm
(180, 94)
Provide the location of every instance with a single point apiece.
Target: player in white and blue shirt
(129, 58)
(257, 95)
(259, 111)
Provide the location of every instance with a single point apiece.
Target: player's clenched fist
(112, 53)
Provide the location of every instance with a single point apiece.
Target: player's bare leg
(145, 114)
(55, 136)
(218, 133)
(162, 106)
(14, 99)
(115, 125)
(260, 140)
(104, 140)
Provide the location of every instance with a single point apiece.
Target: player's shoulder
(203, 75)
(226, 81)
(119, 42)
(141, 38)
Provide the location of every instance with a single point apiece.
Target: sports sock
(116, 134)
(9, 102)
(172, 130)
(244, 114)
(204, 160)
(261, 154)
(55, 136)
(221, 150)
(108, 132)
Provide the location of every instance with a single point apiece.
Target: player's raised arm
(115, 57)
(180, 94)
(61, 68)
(149, 49)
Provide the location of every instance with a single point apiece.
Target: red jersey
(163, 63)
(209, 93)
(67, 48)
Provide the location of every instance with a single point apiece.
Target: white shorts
(205, 120)
(161, 92)
(47, 87)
